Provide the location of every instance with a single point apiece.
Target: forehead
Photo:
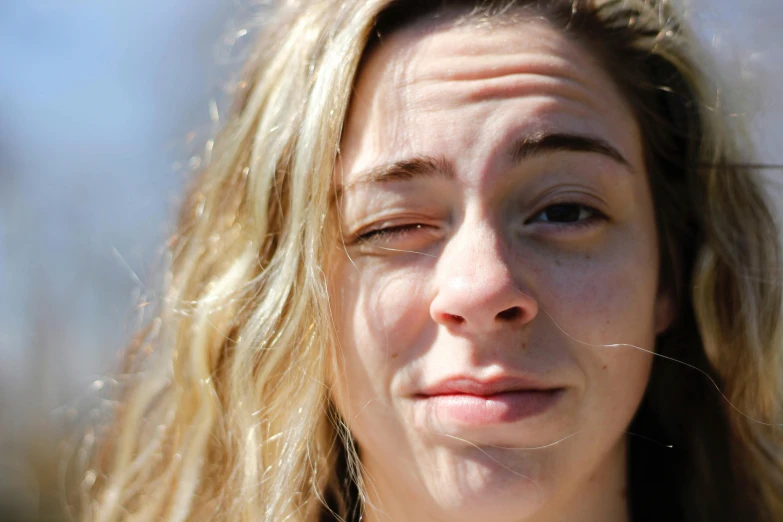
(444, 89)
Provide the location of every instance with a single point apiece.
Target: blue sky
(97, 100)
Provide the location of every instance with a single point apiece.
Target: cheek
(603, 306)
(382, 321)
(606, 296)
(610, 305)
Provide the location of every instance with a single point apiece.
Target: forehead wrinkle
(533, 72)
(474, 69)
(455, 67)
(511, 86)
(457, 51)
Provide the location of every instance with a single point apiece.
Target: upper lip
(467, 385)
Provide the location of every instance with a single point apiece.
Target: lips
(463, 385)
(469, 402)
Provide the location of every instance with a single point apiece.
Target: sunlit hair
(227, 414)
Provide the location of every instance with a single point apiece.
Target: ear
(665, 310)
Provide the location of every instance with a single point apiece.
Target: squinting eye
(387, 233)
(566, 213)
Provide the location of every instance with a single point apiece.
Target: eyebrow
(536, 144)
(419, 166)
(543, 142)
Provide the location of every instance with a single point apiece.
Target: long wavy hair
(226, 414)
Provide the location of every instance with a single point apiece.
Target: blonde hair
(227, 414)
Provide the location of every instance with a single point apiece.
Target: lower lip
(501, 408)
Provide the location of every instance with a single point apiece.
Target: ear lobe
(665, 311)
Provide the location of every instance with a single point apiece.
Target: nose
(476, 287)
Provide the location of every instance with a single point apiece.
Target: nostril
(455, 318)
(510, 314)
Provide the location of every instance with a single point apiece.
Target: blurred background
(105, 111)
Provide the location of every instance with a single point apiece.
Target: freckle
(587, 256)
(394, 355)
(524, 346)
(557, 262)
(605, 366)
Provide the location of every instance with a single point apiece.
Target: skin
(474, 275)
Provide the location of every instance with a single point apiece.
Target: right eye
(389, 237)
(384, 234)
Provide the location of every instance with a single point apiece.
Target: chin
(486, 483)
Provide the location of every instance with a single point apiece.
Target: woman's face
(498, 233)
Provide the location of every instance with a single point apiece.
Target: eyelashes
(389, 232)
(568, 214)
(560, 216)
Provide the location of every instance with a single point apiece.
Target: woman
(463, 261)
